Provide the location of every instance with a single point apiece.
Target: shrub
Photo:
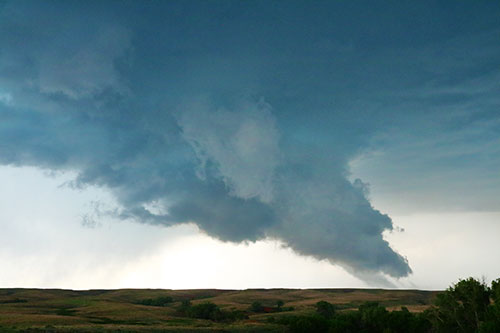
(159, 301)
(306, 324)
(325, 309)
(206, 310)
(209, 311)
(256, 307)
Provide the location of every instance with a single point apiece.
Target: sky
(258, 144)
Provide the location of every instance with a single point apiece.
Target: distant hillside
(158, 310)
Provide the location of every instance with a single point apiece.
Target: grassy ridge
(53, 310)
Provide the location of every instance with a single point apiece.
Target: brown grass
(109, 310)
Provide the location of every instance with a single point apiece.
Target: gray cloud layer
(168, 113)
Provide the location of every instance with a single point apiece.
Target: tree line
(467, 306)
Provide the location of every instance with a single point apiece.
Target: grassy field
(53, 310)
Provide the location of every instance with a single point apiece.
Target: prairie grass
(52, 310)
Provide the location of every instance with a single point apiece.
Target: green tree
(492, 322)
(256, 307)
(184, 307)
(207, 310)
(373, 316)
(308, 324)
(405, 321)
(325, 309)
(462, 307)
(495, 291)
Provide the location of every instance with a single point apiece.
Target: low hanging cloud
(317, 211)
(233, 168)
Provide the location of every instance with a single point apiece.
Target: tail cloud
(77, 100)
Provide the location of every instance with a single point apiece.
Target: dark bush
(325, 309)
(304, 324)
(256, 307)
(308, 324)
(405, 321)
(183, 309)
(159, 301)
(206, 310)
(373, 316)
(346, 322)
(209, 311)
(370, 318)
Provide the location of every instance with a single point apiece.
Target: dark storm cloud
(241, 118)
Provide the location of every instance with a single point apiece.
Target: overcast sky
(229, 144)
